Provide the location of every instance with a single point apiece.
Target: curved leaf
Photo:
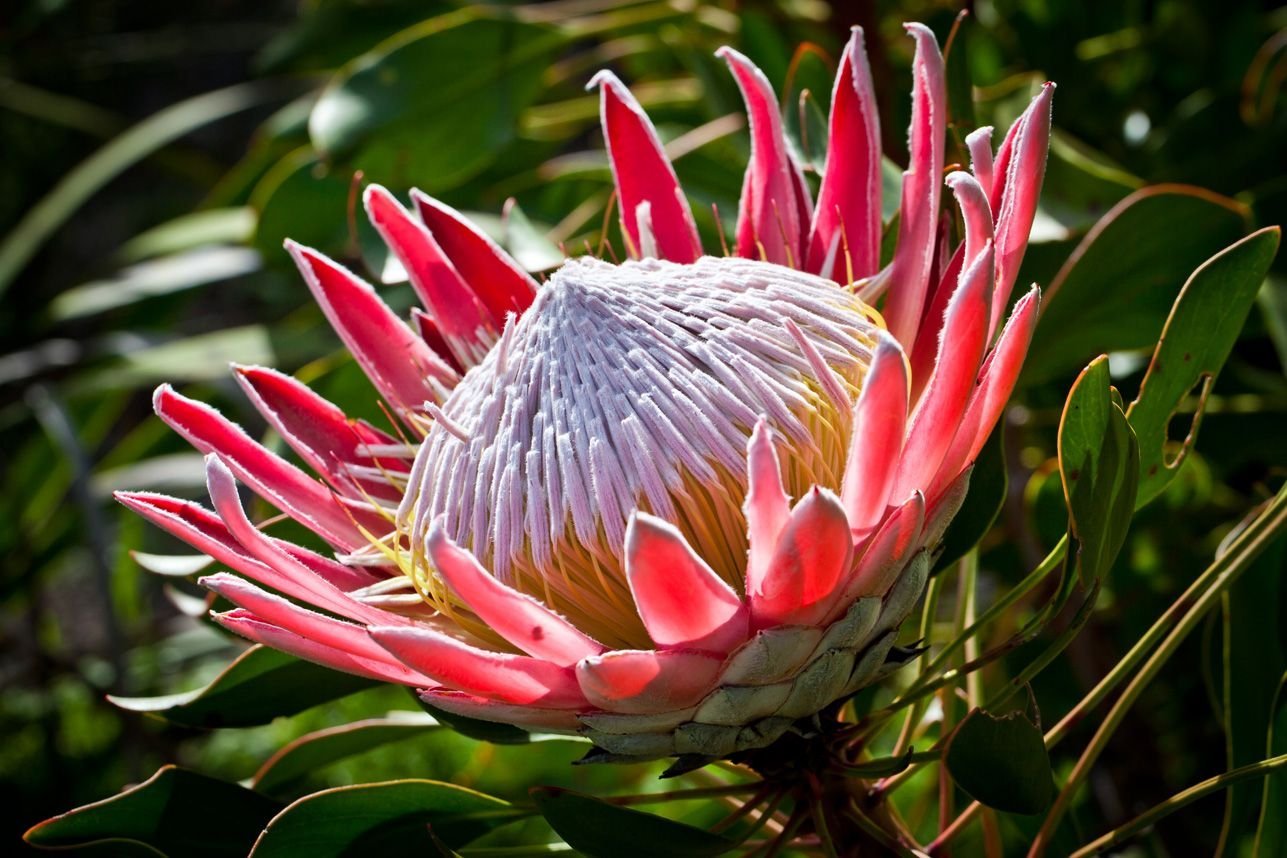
(174, 812)
(1099, 465)
(1114, 291)
(315, 750)
(392, 817)
(260, 685)
(433, 105)
(603, 830)
(1001, 762)
(1199, 334)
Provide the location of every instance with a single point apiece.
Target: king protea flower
(674, 504)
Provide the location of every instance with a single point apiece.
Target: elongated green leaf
(17, 248)
(1197, 339)
(1115, 290)
(315, 750)
(1099, 464)
(233, 225)
(1271, 831)
(302, 199)
(603, 830)
(175, 812)
(262, 684)
(1254, 662)
(388, 818)
(1001, 762)
(155, 277)
(433, 105)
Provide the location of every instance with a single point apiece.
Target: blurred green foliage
(156, 156)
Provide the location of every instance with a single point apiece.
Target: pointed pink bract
(775, 210)
(518, 618)
(918, 211)
(644, 176)
(681, 600)
(848, 209)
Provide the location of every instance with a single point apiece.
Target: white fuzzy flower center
(634, 386)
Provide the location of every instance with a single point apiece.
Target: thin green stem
(1165, 808)
(1027, 585)
(1183, 607)
(927, 627)
(683, 794)
(1208, 587)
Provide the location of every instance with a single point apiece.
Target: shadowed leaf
(1001, 762)
(1115, 290)
(381, 819)
(262, 684)
(175, 812)
(603, 830)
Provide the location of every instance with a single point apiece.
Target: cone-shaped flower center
(630, 387)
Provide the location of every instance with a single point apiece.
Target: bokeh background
(154, 156)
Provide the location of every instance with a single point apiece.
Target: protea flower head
(675, 504)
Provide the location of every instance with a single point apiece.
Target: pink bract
(591, 529)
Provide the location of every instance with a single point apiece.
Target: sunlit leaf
(175, 812)
(118, 155)
(155, 277)
(172, 565)
(311, 752)
(233, 225)
(1099, 465)
(1199, 334)
(262, 684)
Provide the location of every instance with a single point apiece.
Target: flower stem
(1165, 808)
(682, 794)
(1183, 614)
(1207, 589)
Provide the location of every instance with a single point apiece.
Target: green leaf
(1001, 762)
(433, 105)
(234, 225)
(1271, 831)
(603, 830)
(387, 818)
(1099, 465)
(1115, 290)
(262, 684)
(805, 104)
(175, 812)
(50, 213)
(302, 199)
(309, 753)
(988, 485)
(1253, 667)
(1199, 334)
(155, 277)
